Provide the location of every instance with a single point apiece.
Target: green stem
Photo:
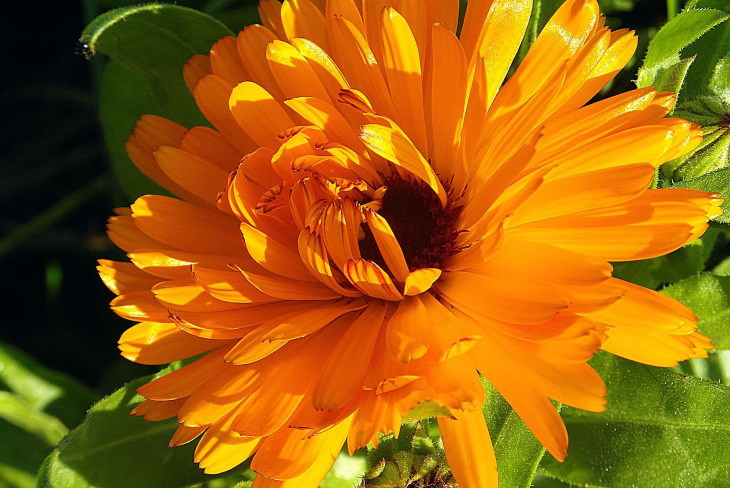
(46, 219)
(672, 9)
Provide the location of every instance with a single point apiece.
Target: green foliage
(518, 452)
(711, 74)
(148, 45)
(660, 430)
(42, 389)
(708, 296)
(670, 46)
(35, 403)
(691, 56)
(414, 458)
(346, 472)
(113, 449)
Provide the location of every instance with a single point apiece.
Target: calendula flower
(378, 218)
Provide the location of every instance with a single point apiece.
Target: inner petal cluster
(425, 229)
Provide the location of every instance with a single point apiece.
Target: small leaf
(708, 296)
(43, 390)
(672, 78)
(715, 182)
(113, 449)
(671, 40)
(518, 452)
(148, 45)
(660, 430)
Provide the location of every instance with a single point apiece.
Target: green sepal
(672, 78)
(415, 456)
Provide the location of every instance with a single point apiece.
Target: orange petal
(258, 114)
(370, 279)
(181, 225)
(336, 384)
(407, 333)
(469, 449)
(123, 278)
(161, 343)
(291, 452)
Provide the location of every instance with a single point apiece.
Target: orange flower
(374, 223)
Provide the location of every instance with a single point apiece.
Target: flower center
(425, 230)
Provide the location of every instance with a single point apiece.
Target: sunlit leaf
(672, 78)
(346, 472)
(668, 46)
(660, 430)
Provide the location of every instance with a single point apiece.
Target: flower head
(376, 220)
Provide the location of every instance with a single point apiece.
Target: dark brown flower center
(425, 230)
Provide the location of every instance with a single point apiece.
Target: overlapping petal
(375, 220)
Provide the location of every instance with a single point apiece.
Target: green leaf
(43, 390)
(28, 436)
(711, 74)
(672, 78)
(715, 182)
(20, 413)
(113, 449)
(660, 430)
(670, 42)
(715, 367)
(711, 155)
(148, 46)
(708, 296)
(518, 452)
